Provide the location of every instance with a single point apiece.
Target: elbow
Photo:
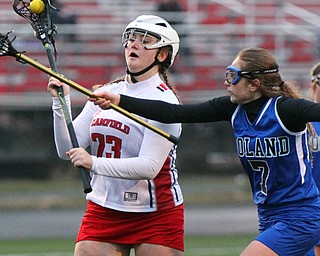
(63, 156)
(152, 168)
(151, 175)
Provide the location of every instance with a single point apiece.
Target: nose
(132, 43)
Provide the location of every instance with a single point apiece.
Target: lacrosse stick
(6, 49)
(44, 30)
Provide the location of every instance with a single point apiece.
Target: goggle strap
(248, 74)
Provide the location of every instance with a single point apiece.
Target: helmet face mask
(147, 39)
(156, 27)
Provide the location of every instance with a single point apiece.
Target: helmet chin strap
(133, 75)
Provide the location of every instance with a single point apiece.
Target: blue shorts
(292, 229)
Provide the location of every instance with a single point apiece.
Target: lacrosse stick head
(6, 48)
(41, 23)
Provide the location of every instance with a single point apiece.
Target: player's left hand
(53, 84)
(80, 158)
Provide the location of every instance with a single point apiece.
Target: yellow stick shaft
(87, 92)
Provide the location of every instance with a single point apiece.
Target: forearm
(61, 135)
(217, 109)
(151, 109)
(130, 168)
(145, 166)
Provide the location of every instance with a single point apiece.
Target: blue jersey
(315, 142)
(276, 160)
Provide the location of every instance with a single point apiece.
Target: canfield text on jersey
(111, 123)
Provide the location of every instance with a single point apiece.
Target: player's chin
(233, 99)
(133, 63)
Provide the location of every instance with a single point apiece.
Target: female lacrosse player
(136, 200)
(270, 125)
(315, 140)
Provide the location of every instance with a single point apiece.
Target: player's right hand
(53, 84)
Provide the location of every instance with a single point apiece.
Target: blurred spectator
(58, 17)
(171, 6)
(172, 11)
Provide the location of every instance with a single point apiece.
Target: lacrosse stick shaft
(44, 30)
(85, 177)
(89, 93)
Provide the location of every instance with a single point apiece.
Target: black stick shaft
(85, 177)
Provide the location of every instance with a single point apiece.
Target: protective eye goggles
(148, 39)
(234, 74)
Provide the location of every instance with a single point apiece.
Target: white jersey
(133, 167)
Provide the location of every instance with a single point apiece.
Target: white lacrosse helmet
(155, 26)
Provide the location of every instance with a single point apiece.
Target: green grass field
(67, 193)
(226, 245)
